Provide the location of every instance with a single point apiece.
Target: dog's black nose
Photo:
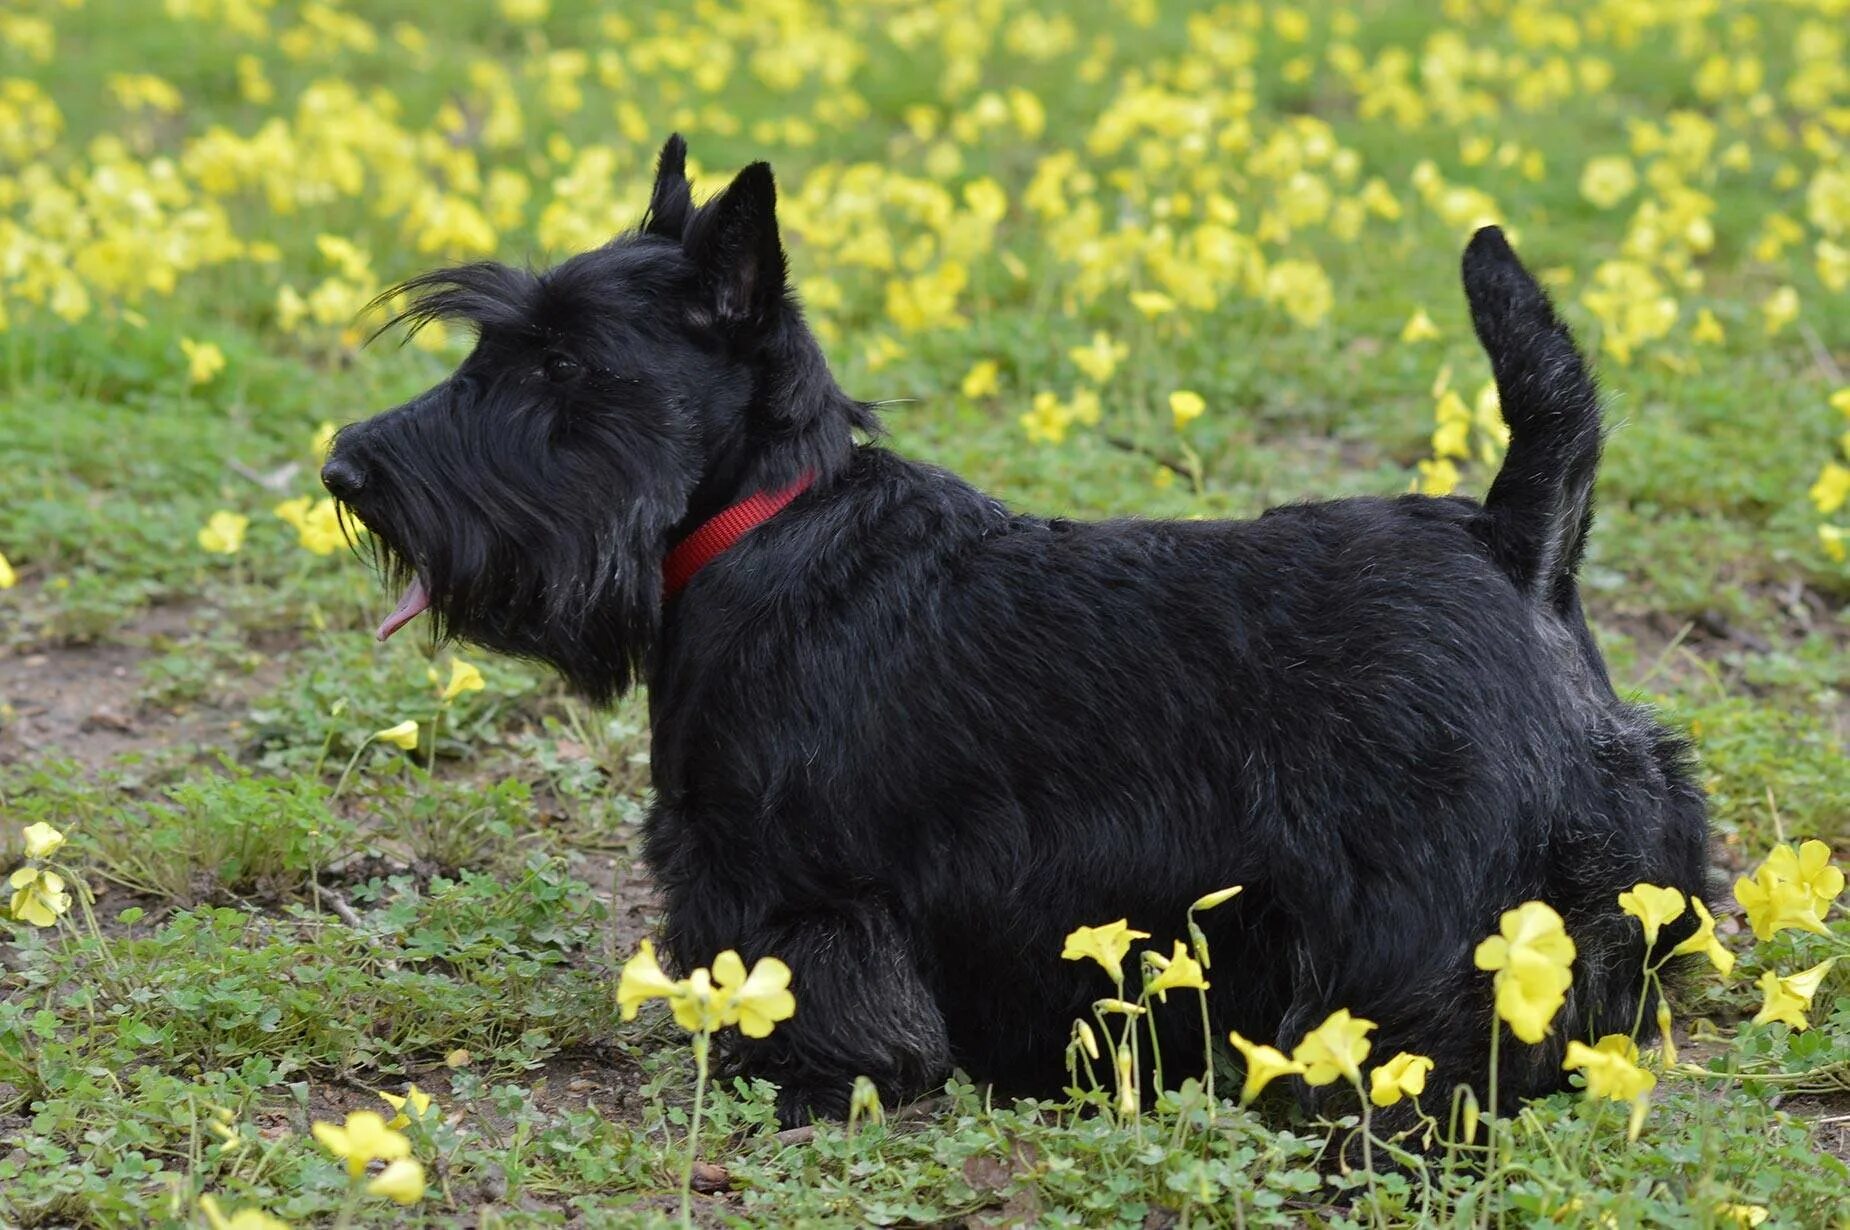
(343, 477)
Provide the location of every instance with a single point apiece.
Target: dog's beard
(585, 599)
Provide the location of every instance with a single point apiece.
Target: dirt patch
(621, 881)
(80, 703)
(84, 702)
(1710, 650)
(1829, 1117)
(585, 1078)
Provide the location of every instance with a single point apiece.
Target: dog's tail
(1540, 506)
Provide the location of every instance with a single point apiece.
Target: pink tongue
(409, 608)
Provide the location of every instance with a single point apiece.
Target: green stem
(327, 742)
(341, 783)
(1207, 1055)
(1156, 1048)
(701, 1041)
(345, 1217)
(1368, 1152)
(1496, 1035)
(84, 899)
(1644, 997)
(436, 728)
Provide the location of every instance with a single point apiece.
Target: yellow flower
(1666, 1031)
(243, 1219)
(1774, 903)
(928, 301)
(758, 1000)
(1123, 1007)
(1704, 940)
(1748, 1215)
(1177, 972)
(364, 1139)
(223, 532)
(42, 841)
(323, 533)
(1335, 1048)
(1264, 1064)
(38, 896)
(1100, 359)
(8, 578)
(1185, 406)
(1529, 994)
(1152, 303)
(1048, 421)
(1707, 330)
(1832, 488)
(1629, 301)
(464, 677)
(982, 380)
(1610, 1067)
(642, 981)
(1608, 180)
(1831, 537)
(864, 1102)
(1419, 328)
(1810, 868)
(1402, 1076)
(204, 360)
(1452, 439)
(1532, 956)
(1779, 309)
(1788, 998)
(416, 1098)
(1105, 944)
(1653, 906)
(404, 735)
(697, 1008)
(294, 511)
(1437, 477)
(317, 523)
(1832, 261)
(401, 1180)
(1302, 288)
(1840, 401)
(1219, 896)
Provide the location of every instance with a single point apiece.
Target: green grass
(290, 917)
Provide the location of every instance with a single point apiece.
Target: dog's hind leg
(862, 1010)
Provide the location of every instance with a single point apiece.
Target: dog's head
(609, 406)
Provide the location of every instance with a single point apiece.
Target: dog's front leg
(862, 1008)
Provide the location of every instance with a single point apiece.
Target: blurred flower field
(1119, 256)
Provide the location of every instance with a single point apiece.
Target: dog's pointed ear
(673, 198)
(733, 243)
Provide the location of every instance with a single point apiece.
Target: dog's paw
(804, 1102)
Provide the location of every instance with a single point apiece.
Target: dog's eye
(560, 368)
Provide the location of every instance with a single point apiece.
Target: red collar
(726, 527)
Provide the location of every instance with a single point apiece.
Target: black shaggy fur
(906, 738)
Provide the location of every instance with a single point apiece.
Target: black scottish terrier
(907, 739)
